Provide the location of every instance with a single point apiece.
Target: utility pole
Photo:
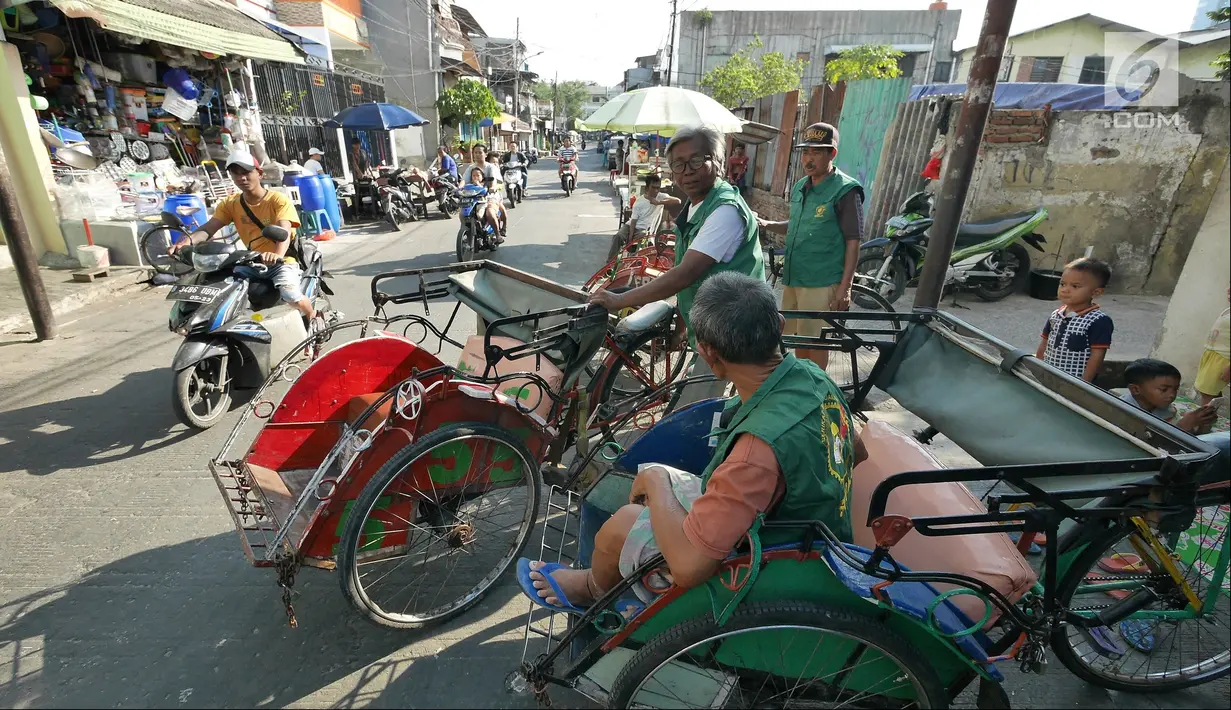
(555, 100)
(671, 43)
(517, 77)
(955, 182)
(25, 261)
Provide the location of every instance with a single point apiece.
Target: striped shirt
(567, 153)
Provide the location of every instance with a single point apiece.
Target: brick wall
(1017, 126)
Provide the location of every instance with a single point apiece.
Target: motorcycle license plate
(194, 293)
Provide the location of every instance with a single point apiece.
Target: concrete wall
(816, 32)
(1135, 187)
(406, 52)
(1199, 295)
(1195, 61)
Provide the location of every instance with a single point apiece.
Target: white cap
(241, 158)
(315, 151)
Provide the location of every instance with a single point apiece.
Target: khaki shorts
(802, 298)
(640, 544)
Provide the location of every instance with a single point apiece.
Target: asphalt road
(122, 582)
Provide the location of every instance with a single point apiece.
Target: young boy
(1153, 386)
(251, 210)
(1215, 369)
(1077, 335)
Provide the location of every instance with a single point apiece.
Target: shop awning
(204, 25)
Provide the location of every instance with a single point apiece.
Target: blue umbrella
(375, 117)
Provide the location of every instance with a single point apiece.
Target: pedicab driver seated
(251, 210)
(788, 452)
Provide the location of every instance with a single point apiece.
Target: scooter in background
(988, 257)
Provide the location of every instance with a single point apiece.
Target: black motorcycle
(396, 204)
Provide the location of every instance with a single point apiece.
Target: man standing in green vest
(822, 236)
(786, 450)
(715, 232)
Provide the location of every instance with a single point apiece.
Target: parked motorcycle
(234, 328)
(988, 257)
(513, 176)
(474, 235)
(396, 203)
(568, 178)
(444, 186)
(532, 155)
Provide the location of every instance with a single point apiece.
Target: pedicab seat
(644, 318)
(524, 390)
(495, 295)
(992, 558)
(913, 599)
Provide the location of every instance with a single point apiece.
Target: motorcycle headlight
(206, 263)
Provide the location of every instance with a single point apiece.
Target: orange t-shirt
(747, 482)
(274, 207)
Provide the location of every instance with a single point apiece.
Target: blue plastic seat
(913, 599)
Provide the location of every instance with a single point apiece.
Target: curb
(123, 279)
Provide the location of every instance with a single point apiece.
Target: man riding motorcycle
(513, 155)
(493, 212)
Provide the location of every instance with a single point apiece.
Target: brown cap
(819, 135)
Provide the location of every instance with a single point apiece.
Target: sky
(596, 41)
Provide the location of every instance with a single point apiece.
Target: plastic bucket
(198, 215)
(332, 207)
(1044, 284)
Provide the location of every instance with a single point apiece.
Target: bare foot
(575, 583)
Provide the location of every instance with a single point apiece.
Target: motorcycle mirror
(274, 233)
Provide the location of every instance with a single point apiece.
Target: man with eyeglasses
(822, 236)
(715, 232)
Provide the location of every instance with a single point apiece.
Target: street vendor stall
(156, 99)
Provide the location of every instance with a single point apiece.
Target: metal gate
(296, 100)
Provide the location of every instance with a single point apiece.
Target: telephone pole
(25, 259)
(671, 42)
(516, 77)
(555, 100)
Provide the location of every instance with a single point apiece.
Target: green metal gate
(868, 109)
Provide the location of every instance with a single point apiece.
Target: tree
(567, 96)
(867, 61)
(742, 79)
(1221, 63)
(468, 100)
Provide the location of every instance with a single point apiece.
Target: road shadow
(193, 625)
(132, 418)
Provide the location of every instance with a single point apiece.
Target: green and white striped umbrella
(661, 110)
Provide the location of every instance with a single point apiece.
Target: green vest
(815, 247)
(803, 416)
(748, 258)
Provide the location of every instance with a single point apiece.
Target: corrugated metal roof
(203, 25)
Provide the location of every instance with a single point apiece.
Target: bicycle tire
(380, 482)
(1100, 547)
(154, 244)
(681, 638)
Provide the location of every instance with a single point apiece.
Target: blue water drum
(311, 193)
(191, 219)
(331, 201)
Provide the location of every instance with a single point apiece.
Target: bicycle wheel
(778, 655)
(849, 370)
(412, 556)
(154, 246)
(1148, 652)
(645, 366)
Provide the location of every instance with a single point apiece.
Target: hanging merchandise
(179, 106)
(177, 80)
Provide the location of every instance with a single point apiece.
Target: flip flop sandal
(1105, 642)
(528, 588)
(1138, 633)
(1034, 546)
(1123, 564)
(1116, 594)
